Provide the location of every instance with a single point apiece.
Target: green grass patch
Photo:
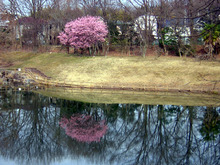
(129, 97)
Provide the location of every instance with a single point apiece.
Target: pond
(36, 129)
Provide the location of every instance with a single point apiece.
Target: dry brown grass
(162, 72)
(135, 72)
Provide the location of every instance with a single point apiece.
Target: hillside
(159, 73)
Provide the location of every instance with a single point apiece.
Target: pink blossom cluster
(84, 32)
(84, 128)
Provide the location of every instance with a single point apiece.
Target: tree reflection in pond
(84, 128)
(29, 128)
(211, 124)
(30, 132)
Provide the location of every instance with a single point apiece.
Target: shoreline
(122, 96)
(111, 95)
(30, 78)
(157, 74)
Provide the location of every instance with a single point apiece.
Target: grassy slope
(163, 72)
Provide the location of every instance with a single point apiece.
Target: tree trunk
(210, 54)
(68, 49)
(191, 24)
(143, 49)
(164, 46)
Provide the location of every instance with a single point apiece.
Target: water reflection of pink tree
(84, 128)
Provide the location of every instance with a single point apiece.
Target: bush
(84, 32)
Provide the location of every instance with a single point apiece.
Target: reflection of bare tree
(30, 132)
(27, 135)
(137, 134)
(162, 135)
(211, 124)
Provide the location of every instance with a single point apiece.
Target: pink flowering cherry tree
(84, 128)
(84, 32)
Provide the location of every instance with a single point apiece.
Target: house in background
(37, 31)
(5, 35)
(148, 21)
(179, 28)
(3, 21)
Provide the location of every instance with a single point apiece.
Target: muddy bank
(14, 78)
(104, 94)
(32, 76)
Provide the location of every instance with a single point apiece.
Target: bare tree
(144, 20)
(27, 8)
(1, 6)
(162, 12)
(193, 14)
(57, 15)
(8, 14)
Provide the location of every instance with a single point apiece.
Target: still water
(40, 130)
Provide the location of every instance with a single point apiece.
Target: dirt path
(36, 72)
